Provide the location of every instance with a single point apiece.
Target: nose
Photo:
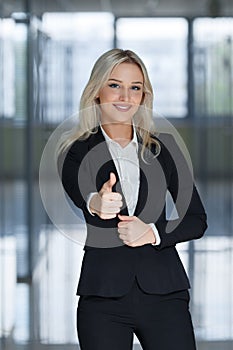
(124, 95)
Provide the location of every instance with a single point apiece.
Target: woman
(118, 171)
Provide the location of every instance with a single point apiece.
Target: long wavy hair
(89, 109)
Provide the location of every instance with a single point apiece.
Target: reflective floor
(33, 346)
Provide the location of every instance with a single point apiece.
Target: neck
(121, 133)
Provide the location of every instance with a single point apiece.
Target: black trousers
(160, 322)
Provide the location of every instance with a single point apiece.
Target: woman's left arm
(192, 219)
(192, 226)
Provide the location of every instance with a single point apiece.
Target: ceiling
(187, 8)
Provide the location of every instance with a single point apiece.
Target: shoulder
(79, 144)
(165, 141)
(76, 151)
(82, 144)
(86, 143)
(170, 143)
(172, 152)
(163, 138)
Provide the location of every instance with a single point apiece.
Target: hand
(106, 204)
(134, 232)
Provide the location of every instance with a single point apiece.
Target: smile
(122, 108)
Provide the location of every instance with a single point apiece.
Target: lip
(122, 107)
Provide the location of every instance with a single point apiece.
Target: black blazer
(109, 267)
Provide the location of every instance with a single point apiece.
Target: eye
(136, 87)
(114, 85)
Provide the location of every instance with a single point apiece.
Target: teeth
(122, 107)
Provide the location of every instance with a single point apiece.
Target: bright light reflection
(79, 26)
(159, 28)
(213, 29)
(8, 284)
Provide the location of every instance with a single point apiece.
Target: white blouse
(127, 164)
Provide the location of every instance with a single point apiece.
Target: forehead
(127, 71)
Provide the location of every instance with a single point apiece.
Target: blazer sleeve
(77, 187)
(192, 218)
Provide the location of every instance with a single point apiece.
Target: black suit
(109, 267)
(110, 271)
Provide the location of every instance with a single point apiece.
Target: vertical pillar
(191, 113)
(190, 64)
(28, 136)
(115, 33)
(29, 163)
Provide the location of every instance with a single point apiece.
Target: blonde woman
(118, 171)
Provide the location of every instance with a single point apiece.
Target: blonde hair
(89, 111)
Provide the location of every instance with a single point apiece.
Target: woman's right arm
(77, 190)
(105, 203)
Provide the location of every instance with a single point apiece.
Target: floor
(200, 346)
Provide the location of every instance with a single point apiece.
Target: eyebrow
(120, 81)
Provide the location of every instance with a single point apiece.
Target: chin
(118, 120)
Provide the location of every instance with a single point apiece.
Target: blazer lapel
(143, 185)
(102, 164)
(153, 187)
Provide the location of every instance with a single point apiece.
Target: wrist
(151, 236)
(93, 205)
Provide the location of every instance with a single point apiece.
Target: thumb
(110, 183)
(125, 217)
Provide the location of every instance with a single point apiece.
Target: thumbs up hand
(106, 204)
(107, 186)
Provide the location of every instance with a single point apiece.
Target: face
(121, 96)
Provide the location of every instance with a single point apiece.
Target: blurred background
(47, 49)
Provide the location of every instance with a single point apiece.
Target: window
(213, 66)
(7, 92)
(162, 44)
(75, 44)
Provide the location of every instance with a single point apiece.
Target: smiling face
(121, 96)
